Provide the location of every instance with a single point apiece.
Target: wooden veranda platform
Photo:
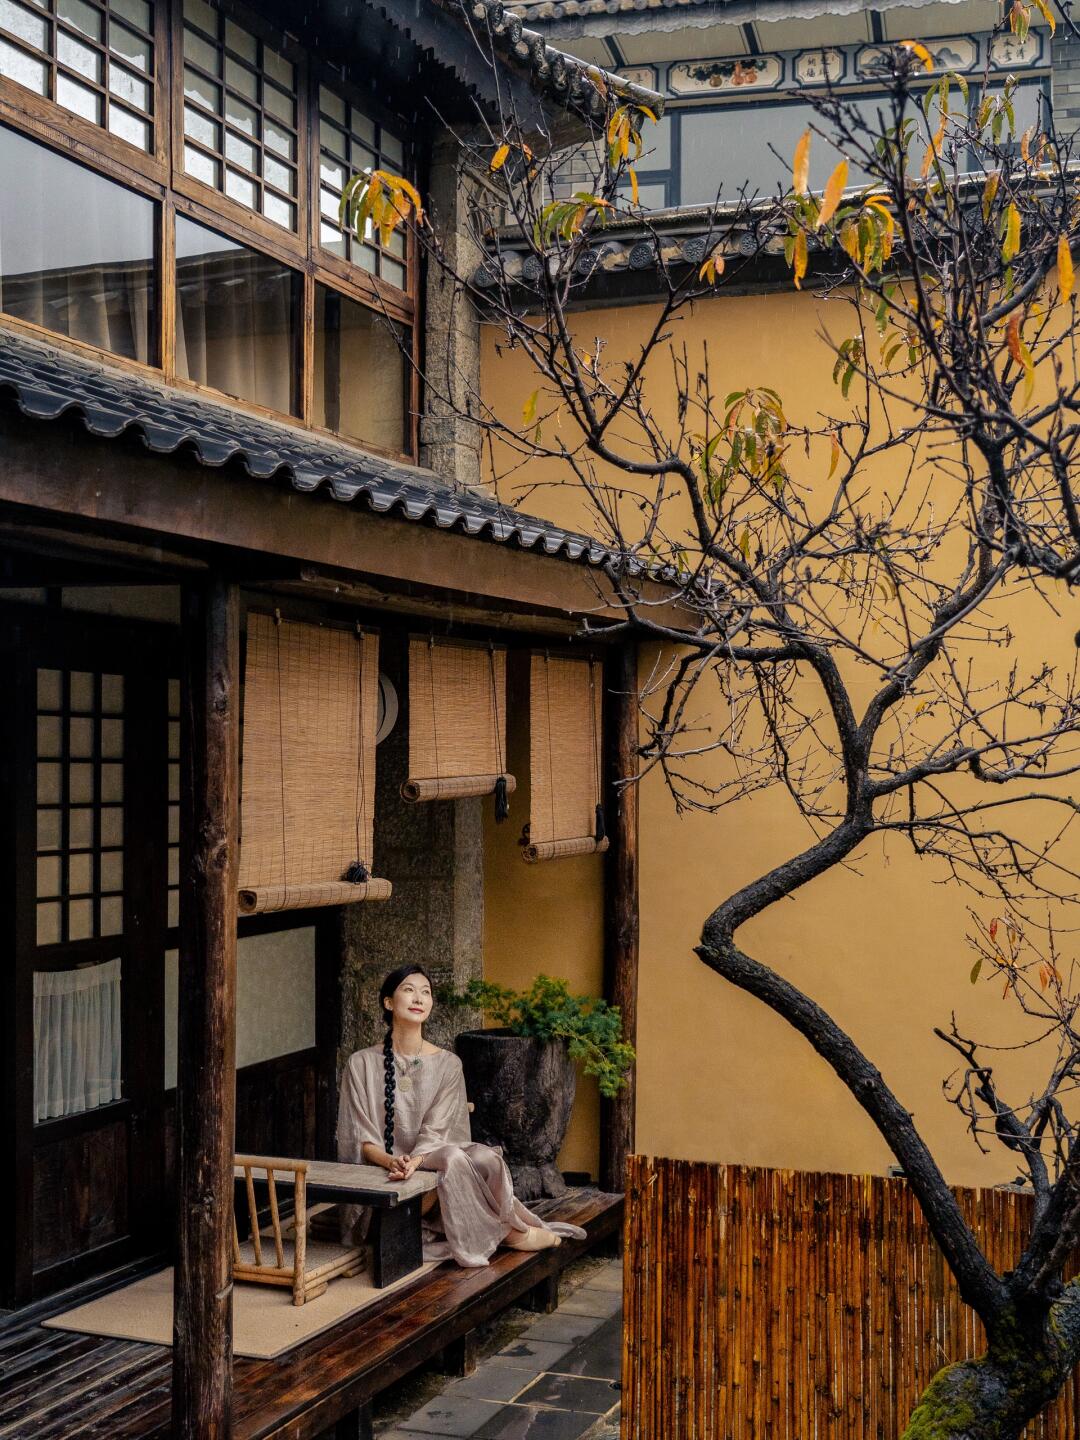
(55, 1384)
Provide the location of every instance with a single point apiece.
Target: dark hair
(386, 992)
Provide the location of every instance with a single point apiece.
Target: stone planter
(522, 1091)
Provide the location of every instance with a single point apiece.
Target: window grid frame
(160, 178)
(56, 26)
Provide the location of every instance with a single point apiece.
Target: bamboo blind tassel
(308, 786)
(457, 722)
(566, 815)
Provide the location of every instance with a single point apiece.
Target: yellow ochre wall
(879, 944)
(543, 919)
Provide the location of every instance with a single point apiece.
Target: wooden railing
(766, 1303)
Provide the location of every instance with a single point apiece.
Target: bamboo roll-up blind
(308, 786)
(565, 757)
(457, 720)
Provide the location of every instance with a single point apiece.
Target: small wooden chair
(305, 1283)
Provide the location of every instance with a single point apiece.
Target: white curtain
(76, 1039)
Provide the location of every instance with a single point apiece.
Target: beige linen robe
(477, 1205)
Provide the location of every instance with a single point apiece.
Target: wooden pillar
(621, 899)
(206, 1045)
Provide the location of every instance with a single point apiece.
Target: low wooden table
(397, 1248)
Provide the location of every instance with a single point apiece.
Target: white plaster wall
(275, 998)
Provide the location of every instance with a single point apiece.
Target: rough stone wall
(449, 439)
(433, 854)
(1065, 82)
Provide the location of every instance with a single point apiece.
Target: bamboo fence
(795, 1306)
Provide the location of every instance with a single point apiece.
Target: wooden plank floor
(55, 1384)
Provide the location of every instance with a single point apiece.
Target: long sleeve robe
(477, 1205)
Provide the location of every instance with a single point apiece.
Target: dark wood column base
(397, 1248)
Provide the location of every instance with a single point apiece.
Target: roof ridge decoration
(49, 382)
(647, 13)
(573, 83)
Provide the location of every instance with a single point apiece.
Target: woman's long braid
(389, 1088)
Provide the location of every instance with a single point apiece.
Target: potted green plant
(521, 1074)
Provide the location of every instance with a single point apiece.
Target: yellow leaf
(744, 543)
(933, 149)
(713, 267)
(799, 259)
(1011, 247)
(1065, 268)
(835, 454)
(1047, 14)
(990, 189)
(801, 167)
(498, 160)
(834, 192)
(1012, 338)
(528, 413)
(849, 238)
(920, 52)
(633, 188)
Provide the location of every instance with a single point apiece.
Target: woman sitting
(403, 1107)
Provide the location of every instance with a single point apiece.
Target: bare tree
(844, 583)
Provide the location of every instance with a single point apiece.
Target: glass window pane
(330, 204)
(81, 692)
(279, 104)
(137, 11)
(80, 737)
(279, 140)
(129, 127)
(48, 784)
(174, 824)
(393, 152)
(174, 697)
(48, 876)
(200, 52)
(112, 694)
(242, 116)
(174, 865)
(81, 16)
(80, 874)
(332, 173)
(50, 734)
(48, 829)
(241, 189)
(174, 782)
(241, 42)
(359, 372)
(112, 782)
(78, 99)
(393, 272)
(363, 158)
(112, 739)
(282, 177)
(26, 24)
(366, 256)
(173, 918)
(78, 56)
(48, 924)
(80, 919)
(330, 238)
(112, 915)
(241, 78)
(49, 690)
(206, 92)
(130, 88)
(199, 13)
(93, 281)
(112, 825)
(333, 139)
(202, 167)
(81, 784)
(282, 212)
(135, 50)
(24, 69)
(362, 127)
(247, 347)
(241, 152)
(332, 104)
(201, 128)
(112, 870)
(277, 67)
(80, 829)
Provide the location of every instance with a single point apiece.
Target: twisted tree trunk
(995, 1396)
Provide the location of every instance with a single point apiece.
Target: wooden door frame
(33, 636)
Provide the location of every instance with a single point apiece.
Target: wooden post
(621, 900)
(206, 1070)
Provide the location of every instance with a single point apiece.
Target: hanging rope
(502, 798)
(358, 873)
(601, 828)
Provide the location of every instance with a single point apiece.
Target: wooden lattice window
(93, 57)
(349, 143)
(240, 115)
(80, 805)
